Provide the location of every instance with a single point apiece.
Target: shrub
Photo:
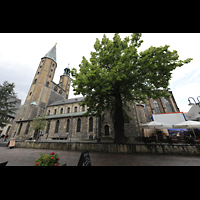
(50, 160)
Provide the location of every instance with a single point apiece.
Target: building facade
(65, 116)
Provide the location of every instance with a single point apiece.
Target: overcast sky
(20, 55)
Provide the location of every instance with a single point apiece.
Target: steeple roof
(51, 53)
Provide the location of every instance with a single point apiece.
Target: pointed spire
(51, 54)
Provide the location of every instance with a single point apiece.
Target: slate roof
(56, 103)
(51, 53)
(65, 115)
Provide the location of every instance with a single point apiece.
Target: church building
(65, 116)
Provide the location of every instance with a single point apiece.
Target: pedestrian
(2, 136)
(5, 138)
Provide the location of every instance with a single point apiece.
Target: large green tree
(117, 74)
(8, 100)
(38, 124)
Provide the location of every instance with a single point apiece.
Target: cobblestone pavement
(26, 157)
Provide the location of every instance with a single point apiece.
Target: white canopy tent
(188, 124)
(156, 125)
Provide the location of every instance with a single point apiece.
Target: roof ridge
(66, 101)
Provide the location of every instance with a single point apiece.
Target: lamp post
(194, 104)
(193, 100)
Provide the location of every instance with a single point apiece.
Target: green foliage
(117, 74)
(39, 123)
(8, 99)
(50, 160)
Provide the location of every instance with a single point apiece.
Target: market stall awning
(156, 125)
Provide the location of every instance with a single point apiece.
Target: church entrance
(106, 130)
(35, 134)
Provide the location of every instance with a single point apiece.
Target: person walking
(5, 138)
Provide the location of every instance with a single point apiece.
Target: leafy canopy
(8, 100)
(39, 122)
(116, 67)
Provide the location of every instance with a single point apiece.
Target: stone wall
(114, 148)
(84, 129)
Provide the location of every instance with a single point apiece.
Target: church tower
(43, 91)
(65, 81)
(40, 87)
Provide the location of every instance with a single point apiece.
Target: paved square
(26, 157)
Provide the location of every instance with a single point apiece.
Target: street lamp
(190, 104)
(198, 101)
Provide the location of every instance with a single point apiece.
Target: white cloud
(20, 55)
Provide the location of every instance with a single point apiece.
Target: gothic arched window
(61, 111)
(169, 108)
(20, 126)
(56, 88)
(27, 128)
(90, 124)
(156, 106)
(57, 126)
(48, 126)
(78, 125)
(68, 123)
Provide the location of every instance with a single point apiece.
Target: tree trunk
(118, 120)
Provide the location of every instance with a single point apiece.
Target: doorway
(106, 130)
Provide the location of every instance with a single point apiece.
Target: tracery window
(169, 108)
(156, 107)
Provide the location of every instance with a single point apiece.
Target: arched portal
(106, 130)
